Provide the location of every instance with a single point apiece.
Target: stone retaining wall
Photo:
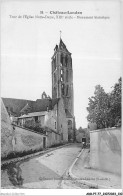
(25, 140)
(105, 150)
(6, 132)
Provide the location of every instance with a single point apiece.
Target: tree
(105, 108)
(115, 103)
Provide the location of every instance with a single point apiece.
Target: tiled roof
(27, 108)
(19, 106)
(63, 46)
(42, 104)
(15, 105)
(43, 113)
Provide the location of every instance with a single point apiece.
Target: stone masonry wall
(25, 140)
(52, 139)
(62, 121)
(6, 132)
(105, 150)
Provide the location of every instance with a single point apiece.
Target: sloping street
(43, 172)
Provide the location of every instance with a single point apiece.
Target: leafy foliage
(105, 108)
(36, 126)
(12, 155)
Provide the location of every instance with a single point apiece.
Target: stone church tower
(62, 80)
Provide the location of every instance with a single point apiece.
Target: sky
(27, 46)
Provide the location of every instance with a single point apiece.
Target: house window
(55, 125)
(36, 118)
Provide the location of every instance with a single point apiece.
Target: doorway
(44, 142)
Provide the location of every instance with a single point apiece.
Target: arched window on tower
(67, 90)
(62, 89)
(61, 59)
(66, 61)
(66, 75)
(61, 75)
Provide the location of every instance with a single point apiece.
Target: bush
(56, 145)
(20, 154)
(30, 124)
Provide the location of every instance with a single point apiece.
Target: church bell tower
(62, 76)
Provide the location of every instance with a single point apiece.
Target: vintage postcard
(61, 86)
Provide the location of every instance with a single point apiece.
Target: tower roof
(62, 46)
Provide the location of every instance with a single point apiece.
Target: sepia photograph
(61, 86)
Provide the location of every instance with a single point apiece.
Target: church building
(56, 113)
(62, 83)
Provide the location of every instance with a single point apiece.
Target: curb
(32, 155)
(71, 167)
(84, 182)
